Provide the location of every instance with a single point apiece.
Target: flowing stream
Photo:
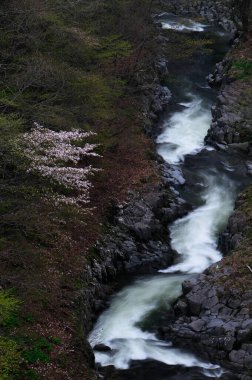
(123, 325)
(184, 132)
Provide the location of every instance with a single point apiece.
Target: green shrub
(55, 340)
(10, 359)
(38, 352)
(35, 355)
(8, 307)
(113, 47)
(242, 69)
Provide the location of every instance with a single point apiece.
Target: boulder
(101, 347)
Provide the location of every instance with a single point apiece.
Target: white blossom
(55, 155)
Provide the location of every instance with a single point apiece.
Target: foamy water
(194, 236)
(184, 132)
(118, 327)
(184, 25)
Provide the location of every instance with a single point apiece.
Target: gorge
(209, 181)
(125, 186)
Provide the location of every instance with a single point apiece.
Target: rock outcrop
(231, 125)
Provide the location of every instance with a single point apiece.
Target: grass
(38, 351)
(242, 69)
(9, 306)
(10, 359)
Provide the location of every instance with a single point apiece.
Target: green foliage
(10, 359)
(38, 352)
(35, 355)
(8, 307)
(55, 340)
(30, 374)
(53, 19)
(10, 127)
(7, 100)
(242, 69)
(10, 124)
(96, 94)
(114, 47)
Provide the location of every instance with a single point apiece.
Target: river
(212, 179)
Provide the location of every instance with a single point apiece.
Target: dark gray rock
(173, 174)
(101, 347)
(180, 308)
(197, 325)
(162, 64)
(247, 324)
(194, 302)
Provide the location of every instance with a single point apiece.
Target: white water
(184, 132)
(194, 236)
(185, 25)
(118, 327)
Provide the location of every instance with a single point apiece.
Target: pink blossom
(51, 154)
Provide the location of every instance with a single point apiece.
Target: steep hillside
(64, 65)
